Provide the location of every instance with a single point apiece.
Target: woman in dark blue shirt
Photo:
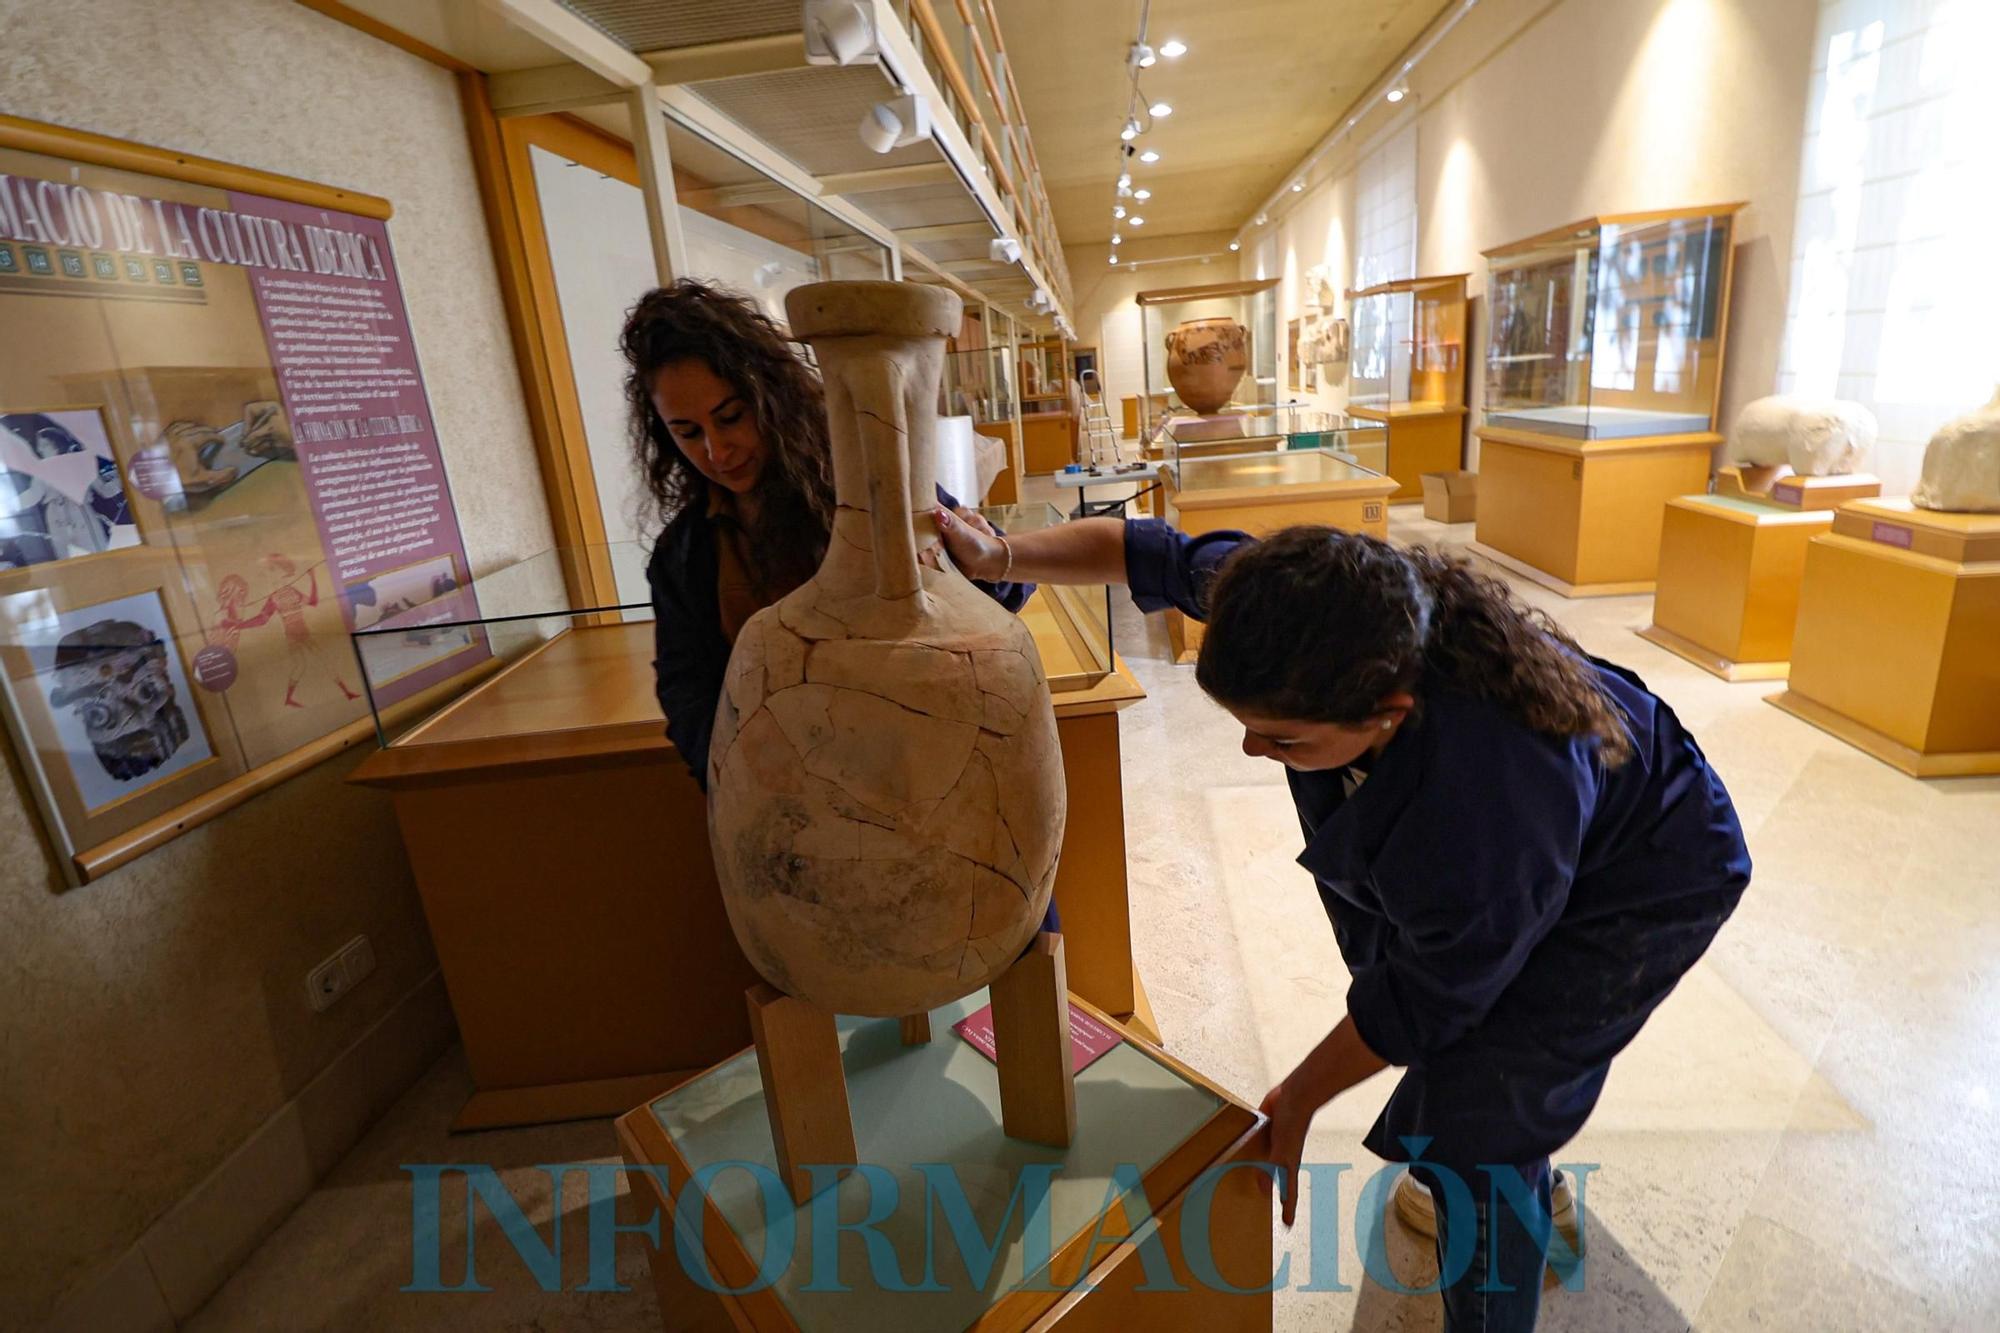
(1520, 848)
(729, 426)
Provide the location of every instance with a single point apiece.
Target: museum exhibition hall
(926, 665)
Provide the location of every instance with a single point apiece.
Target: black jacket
(689, 651)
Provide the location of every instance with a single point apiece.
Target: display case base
(534, 825)
(1897, 647)
(1419, 442)
(1963, 764)
(1728, 592)
(1586, 514)
(1554, 584)
(927, 1119)
(1690, 651)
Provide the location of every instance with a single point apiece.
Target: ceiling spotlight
(1298, 185)
(1142, 194)
(1118, 210)
(1234, 246)
(1174, 49)
(1399, 91)
(1262, 218)
(1003, 250)
(1130, 131)
(896, 123)
(1137, 221)
(1149, 156)
(838, 32)
(1116, 239)
(1124, 192)
(1160, 109)
(1114, 261)
(1140, 56)
(1124, 180)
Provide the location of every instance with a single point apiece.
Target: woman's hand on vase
(971, 542)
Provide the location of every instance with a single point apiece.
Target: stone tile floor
(1802, 1139)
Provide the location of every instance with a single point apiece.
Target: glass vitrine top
(1291, 467)
(1611, 328)
(935, 1106)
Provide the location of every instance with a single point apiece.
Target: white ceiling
(1261, 82)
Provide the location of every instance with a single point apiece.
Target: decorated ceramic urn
(1205, 359)
(886, 795)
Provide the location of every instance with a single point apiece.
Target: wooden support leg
(805, 1088)
(1031, 1037)
(916, 1030)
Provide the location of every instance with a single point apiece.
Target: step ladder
(1100, 436)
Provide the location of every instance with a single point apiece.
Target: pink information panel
(1088, 1038)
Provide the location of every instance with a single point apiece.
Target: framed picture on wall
(61, 495)
(102, 709)
(1295, 376)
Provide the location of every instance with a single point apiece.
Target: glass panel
(1374, 349)
(1291, 467)
(1256, 310)
(1284, 426)
(1071, 623)
(935, 1103)
(496, 619)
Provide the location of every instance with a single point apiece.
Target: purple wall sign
(339, 338)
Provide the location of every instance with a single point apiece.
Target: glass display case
(1187, 348)
(1408, 347)
(1045, 377)
(1282, 426)
(1071, 623)
(464, 635)
(550, 665)
(1242, 477)
(1611, 328)
(976, 381)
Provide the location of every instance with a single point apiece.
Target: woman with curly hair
(1519, 846)
(729, 425)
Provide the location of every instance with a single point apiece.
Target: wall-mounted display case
(1408, 372)
(1612, 327)
(1224, 371)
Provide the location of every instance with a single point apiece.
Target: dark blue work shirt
(690, 653)
(1511, 909)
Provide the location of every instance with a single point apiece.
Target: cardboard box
(1450, 497)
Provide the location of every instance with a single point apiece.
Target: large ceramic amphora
(1205, 359)
(886, 795)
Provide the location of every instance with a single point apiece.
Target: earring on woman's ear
(1388, 723)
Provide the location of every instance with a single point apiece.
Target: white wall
(1531, 114)
(156, 1020)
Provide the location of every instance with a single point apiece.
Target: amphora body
(1205, 360)
(886, 796)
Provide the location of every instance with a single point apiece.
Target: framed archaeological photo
(101, 706)
(217, 460)
(61, 494)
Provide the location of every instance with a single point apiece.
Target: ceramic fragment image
(886, 797)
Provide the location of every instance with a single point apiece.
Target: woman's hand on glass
(970, 540)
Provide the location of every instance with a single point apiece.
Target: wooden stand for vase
(805, 1087)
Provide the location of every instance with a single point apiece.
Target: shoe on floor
(1415, 1210)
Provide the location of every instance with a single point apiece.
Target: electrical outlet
(326, 983)
(358, 958)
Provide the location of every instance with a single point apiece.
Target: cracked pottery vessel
(1205, 360)
(886, 795)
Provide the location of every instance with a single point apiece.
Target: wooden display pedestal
(1420, 440)
(1583, 517)
(1050, 1242)
(1730, 570)
(1897, 647)
(561, 850)
(1048, 441)
(805, 1087)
